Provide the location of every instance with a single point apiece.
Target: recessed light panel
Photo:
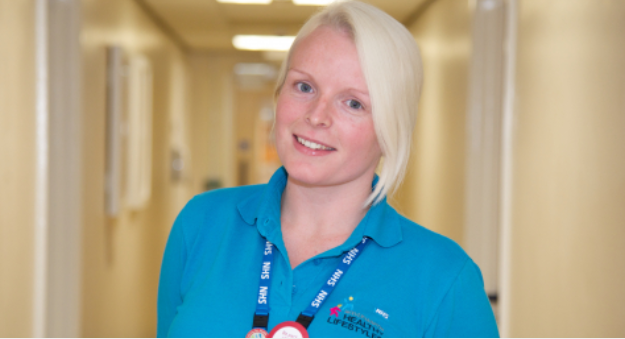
(313, 2)
(263, 42)
(246, 2)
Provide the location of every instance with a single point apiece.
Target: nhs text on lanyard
(265, 281)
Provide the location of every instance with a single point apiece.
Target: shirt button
(317, 262)
(266, 221)
(294, 290)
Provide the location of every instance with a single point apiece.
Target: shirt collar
(381, 223)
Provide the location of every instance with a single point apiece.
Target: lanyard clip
(261, 321)
(304, 320)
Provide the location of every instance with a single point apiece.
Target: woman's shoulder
(442, 253)
(448, 282)
(429, 239)
(215, 207)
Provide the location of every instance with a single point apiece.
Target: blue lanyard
(261, 316)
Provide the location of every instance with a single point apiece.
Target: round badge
(257, 333)
(289, 329)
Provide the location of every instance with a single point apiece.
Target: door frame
(57, 251)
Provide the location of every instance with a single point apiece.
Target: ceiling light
(263, 42)
(246, 2)
(313, 2)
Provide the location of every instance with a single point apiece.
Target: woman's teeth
(313, 145)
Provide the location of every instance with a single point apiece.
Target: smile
(313, 145)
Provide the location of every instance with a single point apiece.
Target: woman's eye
(304, 87)
(354, 104)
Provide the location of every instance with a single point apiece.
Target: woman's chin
(309, 175)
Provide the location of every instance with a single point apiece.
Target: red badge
(257, 333)
(289, 329)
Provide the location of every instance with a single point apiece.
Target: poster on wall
(128, 131)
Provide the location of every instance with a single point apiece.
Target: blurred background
(114, 113)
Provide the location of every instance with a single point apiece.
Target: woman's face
(324, 127)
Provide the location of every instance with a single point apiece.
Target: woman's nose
(319, 114)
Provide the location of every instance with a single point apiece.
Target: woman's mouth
(313, 145)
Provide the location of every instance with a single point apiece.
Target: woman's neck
(315, 219)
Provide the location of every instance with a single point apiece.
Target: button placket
(284, 277)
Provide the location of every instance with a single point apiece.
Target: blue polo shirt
(407, 282)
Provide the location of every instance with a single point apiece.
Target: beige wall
(122, 255)
(433, 192)
(568, 215)
(17, 165)
(212, 128)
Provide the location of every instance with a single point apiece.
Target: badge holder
(289, 329)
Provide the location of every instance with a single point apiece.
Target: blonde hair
(391, 64)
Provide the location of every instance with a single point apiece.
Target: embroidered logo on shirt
(347, 304)
(345, 316)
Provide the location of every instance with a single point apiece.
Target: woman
(275, 257)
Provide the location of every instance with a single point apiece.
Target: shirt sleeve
(465, 310)
(169, 286)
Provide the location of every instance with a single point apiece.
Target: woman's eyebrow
(360, 91)
(300, 71)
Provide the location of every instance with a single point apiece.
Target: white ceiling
(209, 25)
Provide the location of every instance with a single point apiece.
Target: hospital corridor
(115, 113)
